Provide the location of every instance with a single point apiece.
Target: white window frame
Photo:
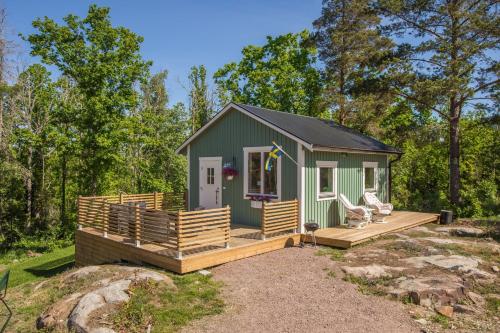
(332, 165)
(262, 150)
(373, 165)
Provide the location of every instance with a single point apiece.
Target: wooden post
(155, 196)
(179, 237)
(137, 226)
(263, 221)
(228, 211)
(79, 209)
(105, 219)
(296, 212)
(121, 198)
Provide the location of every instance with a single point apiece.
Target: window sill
(326, 198)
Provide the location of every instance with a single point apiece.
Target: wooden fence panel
(279, 216)
(203, 228)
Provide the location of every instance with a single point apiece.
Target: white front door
(211, 182)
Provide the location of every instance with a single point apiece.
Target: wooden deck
(344, 237)
(92, 249)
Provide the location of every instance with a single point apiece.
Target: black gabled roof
(320, 133)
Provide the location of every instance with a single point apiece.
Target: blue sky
(179, 34)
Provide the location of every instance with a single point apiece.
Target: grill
(311, 227)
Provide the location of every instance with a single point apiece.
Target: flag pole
(284, 152)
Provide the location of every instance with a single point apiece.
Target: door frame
(200, 176)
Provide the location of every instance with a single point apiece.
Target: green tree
(450, 67)
(280, 75)
(31, 105)
(200, 100)
(354, 53)
(105, 63)
(156, 131)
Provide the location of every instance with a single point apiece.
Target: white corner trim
(373, 165)
(240, 109)
(333, 166)
(301, 188)
(188, 154)
(262, 150)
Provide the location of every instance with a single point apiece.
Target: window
(210, 176)
(257, 180)
(370, 176)
(326, 180)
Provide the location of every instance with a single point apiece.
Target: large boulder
(430, 291)
(112, 287)
(462, 231)
(462, 264)
(372, 271)
(115, 292)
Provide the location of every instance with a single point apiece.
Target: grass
(166, 310)
(493, 305)
(369, 286)
(42, 267)
(408, 247)
(441, 320)
(334, 254)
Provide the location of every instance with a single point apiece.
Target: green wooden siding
(349, 182)
(226, 138)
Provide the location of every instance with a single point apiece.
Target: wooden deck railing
(137, 219)
(279, 216)
(203, 228)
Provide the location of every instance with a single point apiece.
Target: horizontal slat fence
(279, 216)
(137, 219)
(203, 228)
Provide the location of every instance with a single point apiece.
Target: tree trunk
(454, 160)
(63, 189)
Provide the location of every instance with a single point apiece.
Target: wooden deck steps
(344, 237)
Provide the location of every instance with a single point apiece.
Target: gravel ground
(289, 291)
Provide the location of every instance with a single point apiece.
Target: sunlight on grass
(44, 266)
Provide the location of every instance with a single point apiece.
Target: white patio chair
(380, 210)
(357, 216)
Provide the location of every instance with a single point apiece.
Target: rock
(57, 313)
(422, 229)
(32, 254)
(495, 269)
(445, 310)
(155, 276)
(476, 298)
(102, 330)
(372, 271)
(462, 231)
(428, 291)
(461, 308)
(204, 272)
(115, 292)
(83, 272)
(421, 321)
(453, 262)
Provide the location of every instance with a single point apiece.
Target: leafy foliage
(279, 75)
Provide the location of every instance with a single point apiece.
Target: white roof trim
(236, 107)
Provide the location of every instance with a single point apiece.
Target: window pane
(369, 178)
(326, 180)
(270, 177)
(254, 172)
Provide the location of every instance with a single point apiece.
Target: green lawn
(44, 266)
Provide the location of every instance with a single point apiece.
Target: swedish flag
(273, 155)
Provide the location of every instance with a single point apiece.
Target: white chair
(380, 210)
(357, 216)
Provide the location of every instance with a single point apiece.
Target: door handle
(217, 196)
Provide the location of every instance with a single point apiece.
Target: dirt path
(290, 291)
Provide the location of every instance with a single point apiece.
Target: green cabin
(227, 157)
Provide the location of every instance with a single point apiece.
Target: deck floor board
(344, 237)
